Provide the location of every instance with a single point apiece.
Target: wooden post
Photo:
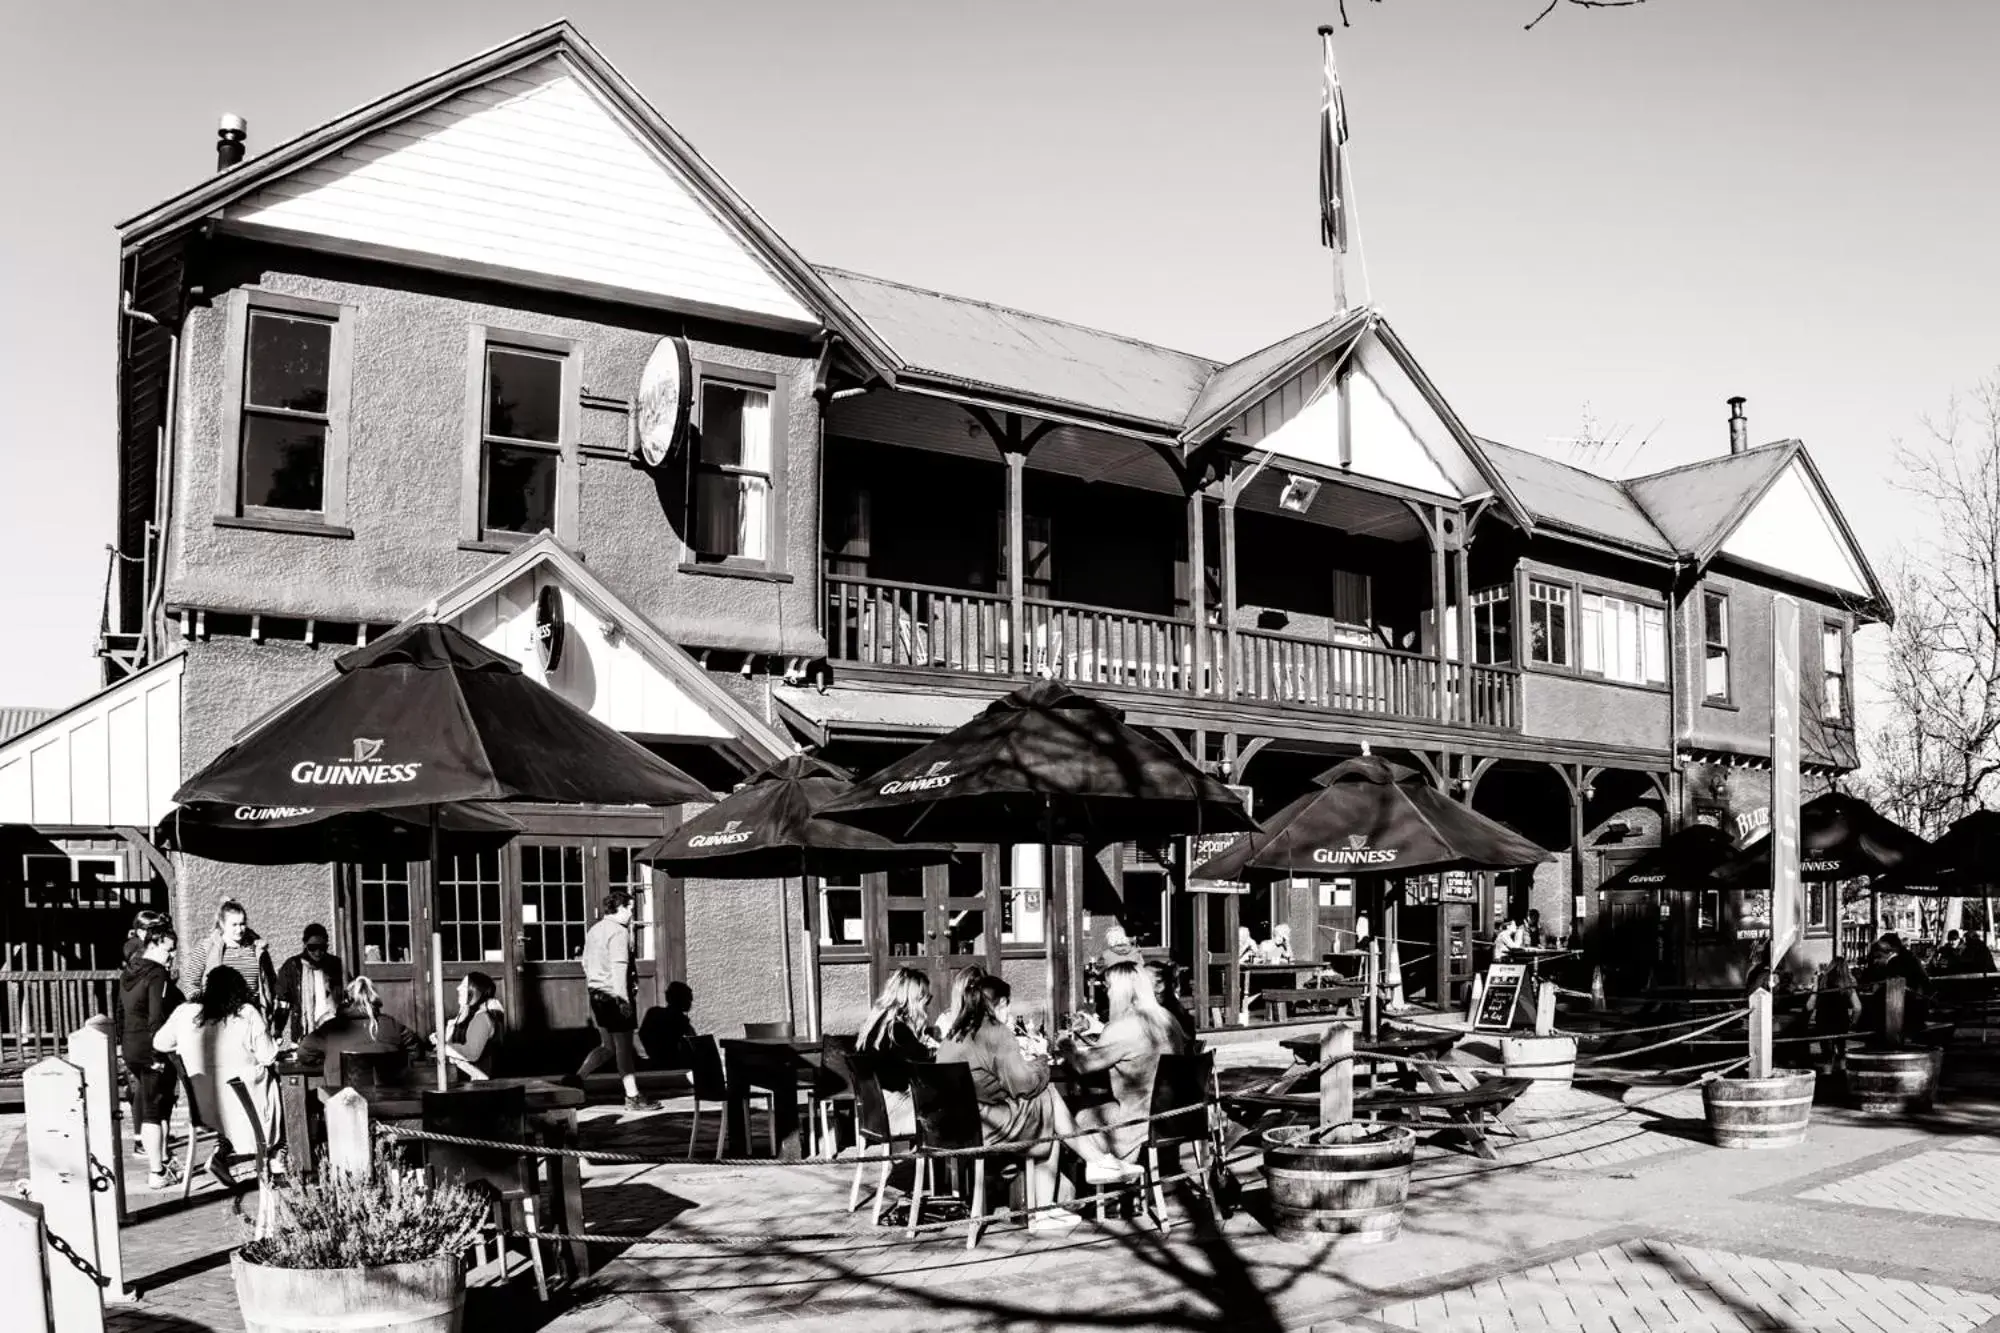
(1545, 1009)
(348, 1150)
(437, 1000)
(59, 1174)
(1598, 1003)
(1760, 1033)
(1435, 531)
(1336, 1081)
(1895, 996)
(1232, 662)
(1478, 994)
(24, 1267)
(1197, 549)
(1466, 654)
(1372, 1009)
(1017, 557)
(1392, 951)
(93, 1049)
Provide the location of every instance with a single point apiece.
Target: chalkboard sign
(1502, 994)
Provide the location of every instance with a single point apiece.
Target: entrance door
(936, 919)
(1629, 939)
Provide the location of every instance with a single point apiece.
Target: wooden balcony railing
(916, 626)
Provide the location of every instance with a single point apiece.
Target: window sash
(1833, 666)
(250, 413)
(733, 500)
(1621, 640)
(1549, 623)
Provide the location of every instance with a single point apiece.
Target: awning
(882, 714)
(113, 759)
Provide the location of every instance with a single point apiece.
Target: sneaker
(637, 1105)
(1111, 1172)
(1056, 1221)
(165, 1178)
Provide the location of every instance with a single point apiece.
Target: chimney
(229, 137)
(1739, 426)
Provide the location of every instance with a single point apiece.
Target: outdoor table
(552, 1111)
(1413, 1045)
(773, 1065)
(1293, 987)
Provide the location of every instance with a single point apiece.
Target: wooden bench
(1280, 1001)
(1471, 1111)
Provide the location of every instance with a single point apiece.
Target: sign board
(660, 414)
(549, 627)
(1206, 846)
(1786, 900)
(1753, 918)
(1502, 994)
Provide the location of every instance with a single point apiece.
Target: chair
(829, 1090)
(1182, 1082)
(711, 1084)
(266, 1205)
(767, 1031)
(871, 1129)
(199, 1126)
(511, 1177)
(385, 1067)
(947, 1107)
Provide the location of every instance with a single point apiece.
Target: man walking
(607, 971)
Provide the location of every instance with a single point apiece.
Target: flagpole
(1332, 174)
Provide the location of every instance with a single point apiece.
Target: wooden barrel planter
(1550, 1060)
(1349, 1192)
(1759, 1112)
(427, 1296)
(1894, 1082)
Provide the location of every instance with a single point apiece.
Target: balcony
(923, 628)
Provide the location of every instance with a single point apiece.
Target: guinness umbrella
(1965, 862)
(1042, 765)
(1840, 837)
(1683, 861)
(276, 835)
(1373, 818)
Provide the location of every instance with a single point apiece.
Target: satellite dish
(665, 387)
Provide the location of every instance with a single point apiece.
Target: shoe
(219, 1168)
(1056, 1221)
(165, 1178)
(1111, 1172)
(637, 1105)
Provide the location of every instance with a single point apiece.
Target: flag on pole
(1332, 134)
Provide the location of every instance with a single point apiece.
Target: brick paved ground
(1600, 1216)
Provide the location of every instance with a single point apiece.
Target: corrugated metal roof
(1237, 377)
(1571, 498)
(845, 709)
(992, 345)
(14, 721)
(1696, 505)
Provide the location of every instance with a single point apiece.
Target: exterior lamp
(1299, 493)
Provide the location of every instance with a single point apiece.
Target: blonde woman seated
(358, 1025)
(1138, 1033)
(897, 1035)
(961, 981)
(1016, 1103)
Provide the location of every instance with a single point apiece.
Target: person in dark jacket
(311, 985)
(360, 1026)
(897, 1034)
(146, 997)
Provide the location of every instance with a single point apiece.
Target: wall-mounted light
(1299, 493)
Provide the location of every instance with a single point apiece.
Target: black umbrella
(426, 717)
(1042, 765)
(1373, 818)
(1684, 860)
(1840, 837)
(766, 829)
(266, 835)
(1965, 862)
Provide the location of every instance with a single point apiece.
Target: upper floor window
(1715, 646)
(521, 440)
(1621, 640)
(733, 474)
(1548, 623)
(284, 460)
(1835, 705)
(1492, 626)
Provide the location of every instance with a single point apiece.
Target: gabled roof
(1234, 387)
(978, 345)
(14, 721)
(560, 38)
(1698, 504)
(1577, 502)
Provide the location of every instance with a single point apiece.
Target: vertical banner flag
(1787, 900)
(1332, 134)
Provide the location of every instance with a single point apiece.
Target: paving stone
(1942, 1182)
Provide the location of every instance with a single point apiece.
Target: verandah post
(1760, 1033)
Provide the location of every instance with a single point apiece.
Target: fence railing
(38, 1010)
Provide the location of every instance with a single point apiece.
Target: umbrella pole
(437, 956)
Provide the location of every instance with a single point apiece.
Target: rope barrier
(1611, 1034)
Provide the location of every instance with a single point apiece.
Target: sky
(1642, 210)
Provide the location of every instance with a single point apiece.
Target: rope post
(1478, 994)
(1372, 1009)
(59, 1173)
(93, 1048)
(1598, 1004)
(1336, 1080)
(1545, 1009)
(348, 1151)
(24, 1265)
(1895, 996)
(1760, 1033)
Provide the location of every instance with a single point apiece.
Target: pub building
(500, 349)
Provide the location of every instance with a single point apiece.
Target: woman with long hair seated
(1137, 1034)
(471, 1042)
(223, 1035)
(1016, 1102)
(358, 1025)
(960, 982)
(896, 1034)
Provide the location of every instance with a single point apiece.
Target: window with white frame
(1024, 879)
(520, 440)
(1835, 706)
(1622, 640)
(1715, 646)
(731, 493)
(840, 912)
(1492, 626)
(1548, 623)
(287, 413)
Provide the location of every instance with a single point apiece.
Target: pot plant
(360, 1254)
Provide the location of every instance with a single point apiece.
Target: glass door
(938, 919)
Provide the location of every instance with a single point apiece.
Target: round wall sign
(549, 628)
(662, 407)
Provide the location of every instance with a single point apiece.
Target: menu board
(1753, 921)
(1503, 993)
(1204, 846)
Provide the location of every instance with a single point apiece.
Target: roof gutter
(994, 398)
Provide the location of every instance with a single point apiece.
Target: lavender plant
(397, 1215)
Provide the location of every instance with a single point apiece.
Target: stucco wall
(407, 441)
(1563, 705)
(228, 684)
(1743, 725)
(844, 997)
(735, 954)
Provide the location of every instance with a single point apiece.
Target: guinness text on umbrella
(361, 769)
